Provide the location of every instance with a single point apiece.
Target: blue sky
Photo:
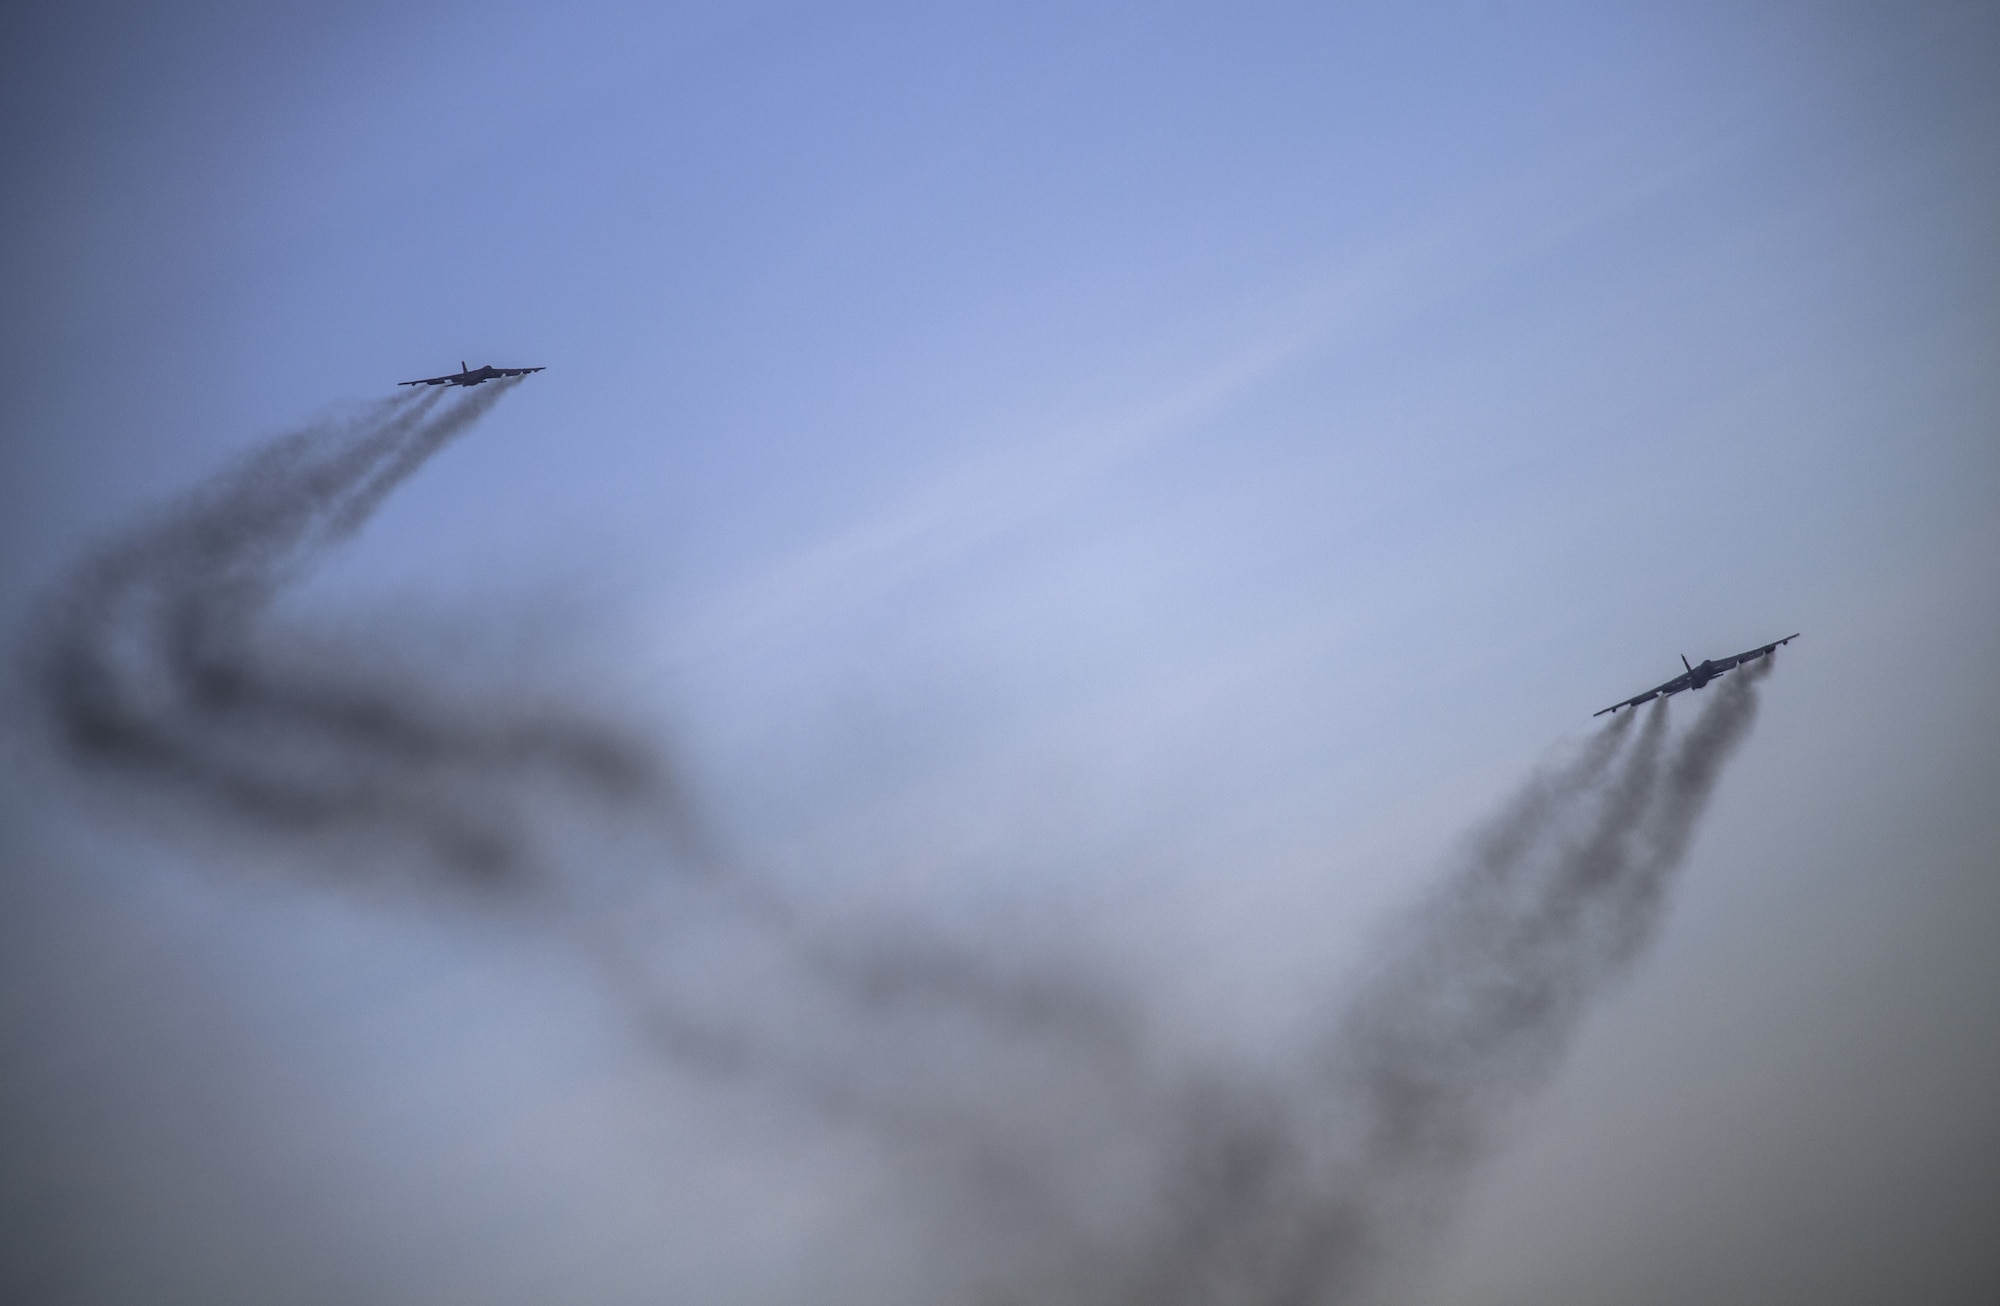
(1167, 470)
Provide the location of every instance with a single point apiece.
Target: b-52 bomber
(472, 375)
(1699, 674)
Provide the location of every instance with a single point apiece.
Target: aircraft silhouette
(1698, 675)
(472, 376)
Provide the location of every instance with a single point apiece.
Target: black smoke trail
(157, 661)
(1300, 1193)
(162, 663)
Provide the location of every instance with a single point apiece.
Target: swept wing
(1763, 651)
(1674, 686)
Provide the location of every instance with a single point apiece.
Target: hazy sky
(1130, 482)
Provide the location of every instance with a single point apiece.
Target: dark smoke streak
(1469, 1009)
(157, 662)
(161, 663)
(1301, 1191)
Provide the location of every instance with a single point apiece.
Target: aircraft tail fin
(463, 368)
(1684, 662)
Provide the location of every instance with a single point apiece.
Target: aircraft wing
(513, 371)
(1724, 664)
(429, 380)
(1674, 686)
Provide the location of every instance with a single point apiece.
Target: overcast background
(1150, 476)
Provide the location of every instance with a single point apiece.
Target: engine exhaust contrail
(156, 662)
(1302, 1195)
(160, 662)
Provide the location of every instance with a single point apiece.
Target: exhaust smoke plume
(157, 662)
(1094, 1165)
